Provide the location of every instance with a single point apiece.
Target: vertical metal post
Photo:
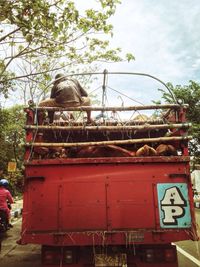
(105, 72)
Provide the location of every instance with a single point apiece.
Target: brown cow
(40, 152)
(103, 151)
(146, 151)
(166, 150)
(58, 152)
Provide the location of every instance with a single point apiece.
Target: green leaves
(189, 94)
(12, 136)
(55, 32)
(130, 57)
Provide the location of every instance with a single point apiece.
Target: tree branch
(10, 33)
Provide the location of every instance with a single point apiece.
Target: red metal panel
(42, 206)
(130, 203)
(72, 199)
(83, 205)
(96, 197)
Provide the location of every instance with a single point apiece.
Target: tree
(53, 34)
(189, 94)
(12, 135)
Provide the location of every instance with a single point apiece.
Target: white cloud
(163, 36)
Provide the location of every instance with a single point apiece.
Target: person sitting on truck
(66, 92)
(6, 199)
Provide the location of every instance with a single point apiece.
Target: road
(189, 251)
(14, 255)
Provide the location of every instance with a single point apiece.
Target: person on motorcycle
(5, 198)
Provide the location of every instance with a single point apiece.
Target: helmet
(4, 182)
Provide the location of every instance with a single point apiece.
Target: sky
(164, 37)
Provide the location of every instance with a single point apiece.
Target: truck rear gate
(117, 197)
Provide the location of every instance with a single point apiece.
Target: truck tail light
(68, 257)
(57, 255)
(149, 255)
(170, 255)
(51, 257)
(165, 254)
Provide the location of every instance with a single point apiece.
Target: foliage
(3, 126)
(189, 94)
(42, 36)
(11, 138)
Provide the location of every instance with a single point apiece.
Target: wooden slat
(114, 142)
(128, 108)
(109, 128)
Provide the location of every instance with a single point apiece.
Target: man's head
(59, 77)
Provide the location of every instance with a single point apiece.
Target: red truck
(112, 193)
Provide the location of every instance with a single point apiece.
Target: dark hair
(59, 75)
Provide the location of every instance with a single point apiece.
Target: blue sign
(174, 208)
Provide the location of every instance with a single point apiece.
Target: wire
(126, 96)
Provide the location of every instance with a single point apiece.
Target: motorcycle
(4, 223)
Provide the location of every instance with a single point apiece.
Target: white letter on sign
(173, 205)
(173, 196)
(172, 213)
